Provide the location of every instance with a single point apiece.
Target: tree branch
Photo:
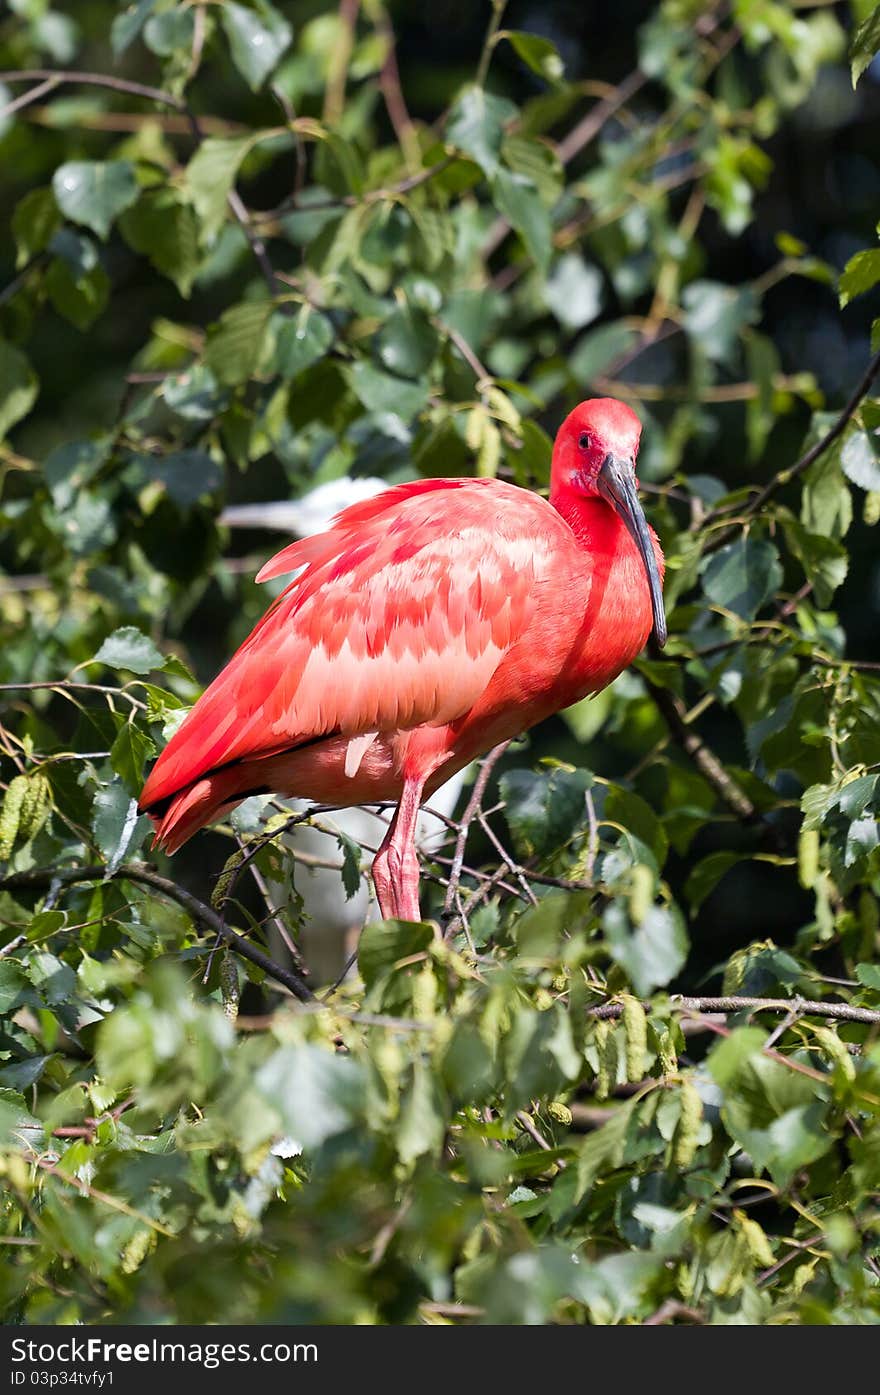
(841, 1012)
(58, 78)
(792, 472)
(392, 92)
(467, 819)
(590, 125)
(674, 713)
(206, 916)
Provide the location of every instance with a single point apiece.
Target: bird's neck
(618, 618)
(593, 521)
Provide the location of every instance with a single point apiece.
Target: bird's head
(595, 457)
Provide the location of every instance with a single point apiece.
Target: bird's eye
(584, 440)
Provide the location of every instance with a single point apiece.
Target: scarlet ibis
(422, 628)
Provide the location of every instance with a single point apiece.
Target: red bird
(424, 627)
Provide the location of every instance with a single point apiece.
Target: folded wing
(398, 617)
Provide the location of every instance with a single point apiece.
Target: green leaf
(538, 162)
(301, 340)
(542, 929)
(195, 395)
(351, 864)
(257, 37)
(173, 29)
(128, 648)
(716, 315)
(422, 1123)
(596, 351)
(860, 459)
(18, 1127)
(162, 228)
(70, 467)
(532, 461)
(868, 976)
(763, 362)
(824, 561)
(115, 824)
(518, 199)
(651, 953)
(380, 392)
(209, 178)
(34, 223)
(77, 284)
(573, 291)
(743, 575)
(861, 274)
(705, 876)
(316, 1092)
(234, 344)
(94, 193)
(385, 943)
(604, 1148)
(13, 981)
(638, 818)
(861, 840)
(407, 343)
(865, 44)
(18, 387)
(732, 1053)
(127, 25)
(129, 754)
(538, 53)
(826, 502)
(188, 475)
(543, 809)
(476, 126)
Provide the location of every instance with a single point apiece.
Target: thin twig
(27, 98)
(673, 1309)
(392, 93)
(206, 916)
(116, 84)
(334, 94)
(470, 813)
(842, 1012)
(674, 713)
(589, 127)
(792, 472)
(498, 8)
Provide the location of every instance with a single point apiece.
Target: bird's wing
(399, 616)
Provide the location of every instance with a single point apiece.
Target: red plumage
(423, 627)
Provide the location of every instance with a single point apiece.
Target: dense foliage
(245, 255)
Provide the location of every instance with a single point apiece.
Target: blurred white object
(301, 517)
(332, 922)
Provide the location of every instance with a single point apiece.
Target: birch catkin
(687, 1131)
(635, 1026)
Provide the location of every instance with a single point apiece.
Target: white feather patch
(357, 749)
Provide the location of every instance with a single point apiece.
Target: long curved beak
(616, 482)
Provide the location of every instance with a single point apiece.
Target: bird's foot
(396, 882)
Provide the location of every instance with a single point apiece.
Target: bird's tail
(192, 808)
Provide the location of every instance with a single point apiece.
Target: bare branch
(206, 916)
(841, 1012)
(58, 78)
(792, 472)
(674, 713)
(468, 817)
(589, 127)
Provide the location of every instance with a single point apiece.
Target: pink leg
(396, 864)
